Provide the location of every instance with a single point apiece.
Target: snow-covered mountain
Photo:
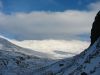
(15, 60)
(6, 45)
(86, 63)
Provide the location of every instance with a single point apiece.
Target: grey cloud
(46, 24)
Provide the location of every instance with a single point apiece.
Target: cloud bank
(29, 25)
(42, 25)
(56, 48)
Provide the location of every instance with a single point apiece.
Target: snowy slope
(86, 63)
(15, 60)
(8, 46)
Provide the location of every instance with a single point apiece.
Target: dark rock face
(95, 31)
(83, 73)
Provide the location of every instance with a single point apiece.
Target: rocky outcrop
(95, 31)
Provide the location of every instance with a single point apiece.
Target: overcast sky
(47, 19)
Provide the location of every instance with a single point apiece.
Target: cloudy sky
(47, 19)
(58, 27)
